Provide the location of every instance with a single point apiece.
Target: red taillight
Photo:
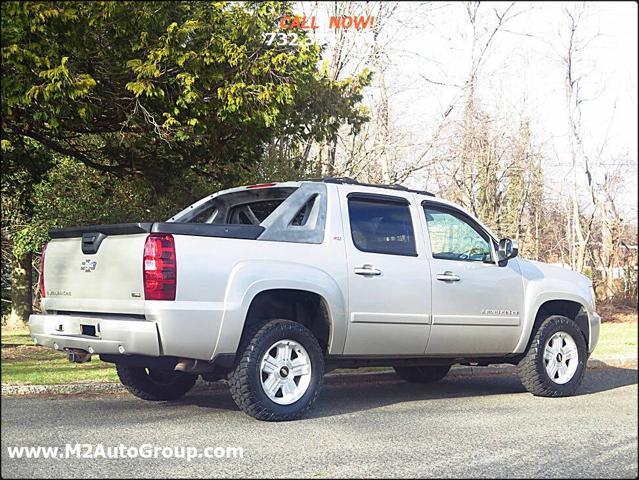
(159, 267)
(262, 185)
(43, 292)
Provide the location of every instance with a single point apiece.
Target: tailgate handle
(91, 242)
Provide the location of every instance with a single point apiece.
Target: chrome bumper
(116, 335)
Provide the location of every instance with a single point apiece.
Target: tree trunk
(21, 293)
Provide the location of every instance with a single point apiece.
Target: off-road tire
(531, 369)
(244, 379)
(168, 385)
(423, 374)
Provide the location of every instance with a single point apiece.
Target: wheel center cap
(284, 372)
(559, 357)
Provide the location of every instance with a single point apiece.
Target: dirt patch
(29, 352)
(616, 313)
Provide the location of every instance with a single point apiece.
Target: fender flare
(531, 312)
(249, 279)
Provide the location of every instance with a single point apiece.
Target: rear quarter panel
(218, 278)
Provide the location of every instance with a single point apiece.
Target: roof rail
(351, 181)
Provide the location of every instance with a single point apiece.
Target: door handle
(367, 270)
(447, 277)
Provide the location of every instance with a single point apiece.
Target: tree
(595, 224)
(154, 91)
(145, 88)
(18, 180)
(579, 232)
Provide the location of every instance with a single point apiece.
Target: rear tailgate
(99, 269)
(109, 280)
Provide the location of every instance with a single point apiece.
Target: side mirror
(507, 249)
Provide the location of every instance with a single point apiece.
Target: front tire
(423, 374)
(279, 373)
(153, 385)
(555, 362)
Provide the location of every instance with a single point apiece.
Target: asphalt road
(461, 427)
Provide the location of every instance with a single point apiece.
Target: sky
(521, 77)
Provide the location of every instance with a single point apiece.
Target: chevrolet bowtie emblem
(88, 265)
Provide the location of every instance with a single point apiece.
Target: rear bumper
(113, 334)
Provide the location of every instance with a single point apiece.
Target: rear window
(252, 213)
(244, 207)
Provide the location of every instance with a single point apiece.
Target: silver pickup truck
(269, 286)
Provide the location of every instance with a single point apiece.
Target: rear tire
(154, 385)
(279, 372)
(555, 362)
(423, 374)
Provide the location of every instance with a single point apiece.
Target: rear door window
(381, 225)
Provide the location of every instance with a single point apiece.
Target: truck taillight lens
(43, 292)
(159, 267)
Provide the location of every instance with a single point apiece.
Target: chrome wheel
(285, 372)
(561, 358)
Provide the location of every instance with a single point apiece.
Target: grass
(617, 340)
(16, 337)
(24, 363)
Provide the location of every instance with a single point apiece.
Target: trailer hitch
(75, 355)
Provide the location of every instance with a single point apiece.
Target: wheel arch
(570, 307)
(302, 306)
(253, 285)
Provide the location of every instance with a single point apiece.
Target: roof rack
(351, 181)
